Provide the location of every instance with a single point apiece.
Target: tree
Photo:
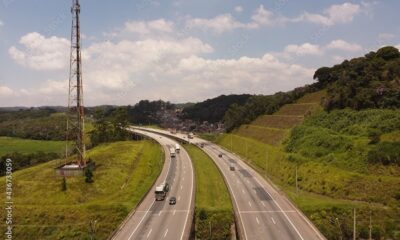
(64, 184)
(88, 175)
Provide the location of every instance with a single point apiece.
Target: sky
(182, 50)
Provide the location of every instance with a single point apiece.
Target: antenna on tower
(75, 114)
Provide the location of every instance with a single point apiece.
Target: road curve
(157, 219)
(262, 211)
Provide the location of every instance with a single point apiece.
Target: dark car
(166, 188)
(172, 201)
(220, 155)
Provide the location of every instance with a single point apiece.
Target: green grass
(325, 191)
(26, 146)
(272, 136)
(213, 203)
(277, 121)
(125, 172)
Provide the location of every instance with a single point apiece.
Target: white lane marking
(159, 214)
(183, 179)
(258, 222)
(130, 236)
(148, 235)
(191, 193)
(273, 220)
(181, 187)
(267, 211)
(284, 213)
(173, 214)
(247, 181)
(165, 234)
(263, 203)
(141, 220)
(242, 191)
(237, 181)
(179, 198)
(250, 203)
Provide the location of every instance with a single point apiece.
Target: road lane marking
(250, 203)
(290, 211)
(148, 235)
(130, 236)
(258, 222)
(263, 203)
(159, 214)
(273, 220)
(242, 191)
(179, 198)
(181, 187)
(173, 214)
(165, 234)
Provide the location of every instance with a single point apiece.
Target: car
(201, 145)
(232, 167)
(166, 187)
(220, 155)
(172, 200)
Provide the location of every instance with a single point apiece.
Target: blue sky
(182, 50)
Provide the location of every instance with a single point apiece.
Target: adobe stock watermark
(8, 200)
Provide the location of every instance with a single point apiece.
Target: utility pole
(297, 184)
(354, 225)
(370, 225)
(231, 143)
(75, 115)
(266, 161)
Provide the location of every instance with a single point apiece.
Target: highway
(157, 219)
(262, 211)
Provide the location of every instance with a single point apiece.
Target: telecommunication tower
(75, 114)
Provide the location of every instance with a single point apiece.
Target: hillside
(125, 171)
(331, 153)
(213, 110)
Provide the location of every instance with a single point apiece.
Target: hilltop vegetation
(213, 110)
(125, 172)
(372, 81)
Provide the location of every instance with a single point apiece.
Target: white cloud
(1, 23)
(335, 14)
(41, 53)
(238, 9)
(5, 91)
(218, 24)
(263, 16)
(344, 46)
(143, 28)
(304, 49)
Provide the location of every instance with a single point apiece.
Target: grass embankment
(125, 171)
(332, 153)
(26, 146)
(213, 204)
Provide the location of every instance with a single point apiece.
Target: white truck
(190, 135)
(177, 148)
(172, 152)
(161, 191)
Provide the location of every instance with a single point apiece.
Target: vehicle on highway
(161, 191)
(201, 145)
(172, 200)
(177, 148)
(190, 135)
(220, 155)
(172, 152)
(232, 167)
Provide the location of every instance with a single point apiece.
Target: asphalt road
(157, 219)
(263, 212)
